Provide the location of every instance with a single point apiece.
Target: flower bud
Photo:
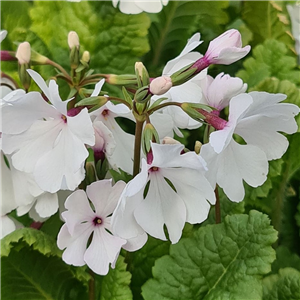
(142, 95)
(149, 135)
(226, 48)
(170, 141)
(160, 85)
(197, 147)
(121, 79)
(86, 57)
(23, 53)
(142, 75)
(73, 40)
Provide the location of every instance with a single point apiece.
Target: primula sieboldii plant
(109, 154)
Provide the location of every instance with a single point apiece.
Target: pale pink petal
(150, 6)
(98, 88)
(46, 205)
(238, 162)
(7, 226)
(102, 251)
(32, 144)
(194, 190)
(7, 189)
(20, 115)
(81, 127)
(230, 55)
(40, 82)
(74, 253)
(162, 205)
(163, 123)
(136, 243)
(78, 210)
(105, 197)
(62, 162)
(129, 200)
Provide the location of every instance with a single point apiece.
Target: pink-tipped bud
(226, 48)
(170, 141)
(73, 40)
(23, 53)
(160, 85)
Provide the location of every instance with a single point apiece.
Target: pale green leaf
(282, 286)
(29, 275)
(223, 261)
(267, 20)
(115, 285)
(39, 240)
(270, 59)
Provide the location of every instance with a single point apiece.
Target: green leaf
(223, 261)
(167, 39)
(285, 258)
(267, 20)
(274, 85)
(39, 240)
(142, 261)
(115, 285)
(227, 208)
(284, 286)
(270, 59)
(29, 275)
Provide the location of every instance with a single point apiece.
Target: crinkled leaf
(142, 261)
(29, 275)
(223, 261)
(39, 240)
(270, 59)
(282, 286)
(267, 20)
(285, 258)
(227, 208)
(115, 285)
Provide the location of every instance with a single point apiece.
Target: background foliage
(241, 258)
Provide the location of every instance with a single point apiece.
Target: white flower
(3, 34)
(122, 155)
(83, 223)
(44, 140)
(226, 48)
(138, 6)
(294, 12)
(160, 85)
(177, 192)
(256, 117)
(187, 92)
(8, 225)
(218, 92)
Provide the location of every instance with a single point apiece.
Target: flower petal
(102, 251)
(46, 205)
(162, 205)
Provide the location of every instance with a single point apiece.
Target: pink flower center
(97, 221)
(154, 169)
(64, 118)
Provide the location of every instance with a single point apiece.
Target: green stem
(152, 110)
(92, 294)
(137, 147)
(59, 67)
(217, 206)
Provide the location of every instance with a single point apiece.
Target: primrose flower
(189, 91)
(84, 223)
(170, 190)
(218, 92)
(256, 117)
(44, 140)
(226, 48)
(138, 6)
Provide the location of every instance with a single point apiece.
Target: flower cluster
(50, 144)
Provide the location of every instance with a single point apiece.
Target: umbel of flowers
(52, 144)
